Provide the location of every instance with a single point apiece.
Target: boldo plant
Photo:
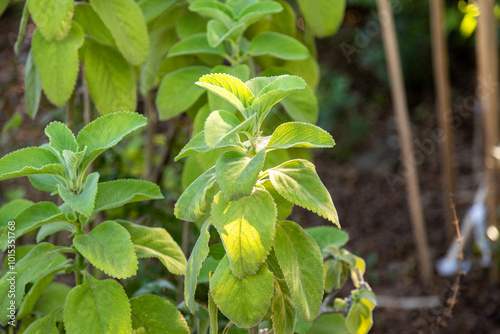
(270, 264)
(62, 167)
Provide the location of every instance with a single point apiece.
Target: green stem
(78, 259)
(70, 113)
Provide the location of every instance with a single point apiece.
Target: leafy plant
(61, 167)
(268, 265)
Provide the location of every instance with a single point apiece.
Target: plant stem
(87, 104)
(70, 113)
(150, 112)
(78, 259)
(254, 330)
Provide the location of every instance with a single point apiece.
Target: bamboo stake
(405, 137)
(487, 62)
(443, 106)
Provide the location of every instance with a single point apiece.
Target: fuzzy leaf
(61, 138)
(244, 301)
(52, 228)
(218, 33)
(126, 23)
(297, 134)
(213, 313)
(328, 236)
(114, 194)
(106, 131)
(257, 11)
(153, 8)
(283, 309)
(38, 260)
(222, 128)
(192, 205)
(195, 44)
(196, 145)
(109, 248)
(45, 325)
(156, 242)
(246, 228)
(277, 45)
(237, 173)
(300, 259)
(97, 307)
(52, 17)
(177, 91)
(214, 10)
(57, 63)
(11, 209)
(32, 86)
(284, 207)
(92, 25)
(297, 181)
(83, 202)
(157, 315)
(110, 79)
(228, 87)
(323, 16)
(29, 161)
(196, 259)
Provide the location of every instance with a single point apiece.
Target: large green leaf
(237, 173)
(29, 161)
(257, 11)
(359, 319)
(283, 309)
(38, 260)
(323, 16)
(196, 259)
(32, 86)
(277, 45)
(31, 218)
(218, 33)
(52, 297)
(57, 63)
(109, 248)
(297, 134)
(157, 315)
(196, 145)
(83, 202)
(214, 10)
(45, 325)
(52, 17)
(297, 181)
(195, 44)
(110, 79)
(328, 236)
(284, 207)
(228, 87)
(92, 25)
(215, 101)
(156, 242)
(329, 323)
(97, 307)
(114, 194)
(177, 91)
(246, 228)
(244, 301)
(300, 259)
(222, 128)
(105, 132)
(61, 137)
(11, 209)
(126, 23)
(302, 106)
(192, 205)
(151, 9)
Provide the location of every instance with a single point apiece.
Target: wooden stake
(443, 106)
(405, 137)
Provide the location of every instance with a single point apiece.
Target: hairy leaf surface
(157, 315)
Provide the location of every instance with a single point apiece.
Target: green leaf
(195, 44)
(284, 207)
(22, 25)
(237, 173)
(244, 301)
(38, 260)
(214, 10)
(83, 202)
(29, 161)
(32, 86)
(329, 323)
(110, 79)
(328, 236)
(45, 325)
(109, 248)
(196, 145)
(61, 137)
(246, 228)
(151, 9)
(156, 242)
(10, 210)
(218, 33)
(335, 274)
(323, 16)
(283, 309)
(114, 194)
(52, 18)
(297, 181)
(213, 312)
(257, 11)
(57, 63)
(297, 134)
(32, 218)
(106, 131)
(359, 319)
(195, 261)
(93, 27)
(53, 296)
(222, 128)
(126, 23)
(192, 204)
(97, 307)
(177, 91)
(215, 102)
(228, 87)
(302, 106)
(46, 183)
(300, 259)
(52, 228)
(277, 45)
(157, 315)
